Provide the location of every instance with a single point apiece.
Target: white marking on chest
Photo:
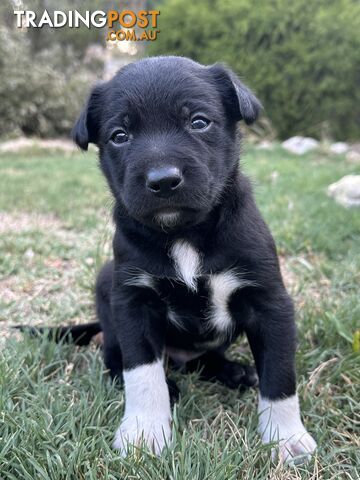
(147, 413)
(187, 263)
(280, 421)
(222, 286)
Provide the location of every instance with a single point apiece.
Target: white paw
(297, 449)
(279, 421)
(147, 417)
(155, 434)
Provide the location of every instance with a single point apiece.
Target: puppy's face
(166, 130)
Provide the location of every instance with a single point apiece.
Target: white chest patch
(222, 286)
(187, 263)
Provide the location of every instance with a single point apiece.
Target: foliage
(39, 94)
(300, 57)
(43, 80)
(44, 38)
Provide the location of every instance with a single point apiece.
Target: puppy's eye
(119, 136)
(199, 123)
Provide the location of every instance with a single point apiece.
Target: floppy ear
(237, 97)
(86, 128)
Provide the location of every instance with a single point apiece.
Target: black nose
(164, 181)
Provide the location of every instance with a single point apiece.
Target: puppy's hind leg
(213, 366)
(111, 347)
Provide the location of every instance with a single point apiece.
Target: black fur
(153, 101)
(79, 334)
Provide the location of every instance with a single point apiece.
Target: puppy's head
(166, 132)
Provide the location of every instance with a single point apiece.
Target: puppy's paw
(238, 375)
(279, 421)
(297, 449)
(154, 433)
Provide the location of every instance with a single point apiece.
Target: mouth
(174, 218)
(167, 218)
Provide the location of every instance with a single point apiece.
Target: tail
(78, 334)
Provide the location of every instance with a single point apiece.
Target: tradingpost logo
(125, 25)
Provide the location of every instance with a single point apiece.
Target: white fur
(147, 414)
(280, 421)
(187, 263)
(167, 219)
(222, 286)
(175, 320)
(141, 279)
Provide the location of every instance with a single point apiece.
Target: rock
(339, 147)
(346, 191)
(300, 145)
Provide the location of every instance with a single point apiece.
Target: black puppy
(194, 263)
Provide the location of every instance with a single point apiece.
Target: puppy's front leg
(141, 332)
(272, 338)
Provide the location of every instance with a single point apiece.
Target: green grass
(58, 408)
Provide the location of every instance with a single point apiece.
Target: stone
(300, 145)
(339, 148)
(346, 191)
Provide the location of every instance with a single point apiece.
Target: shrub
(39, 94)
(301, 57)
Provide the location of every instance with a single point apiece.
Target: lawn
(59, 410)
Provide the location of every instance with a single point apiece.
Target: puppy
(194, 263)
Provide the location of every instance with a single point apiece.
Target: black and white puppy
(194, 263)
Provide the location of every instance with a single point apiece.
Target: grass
(58, 408)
